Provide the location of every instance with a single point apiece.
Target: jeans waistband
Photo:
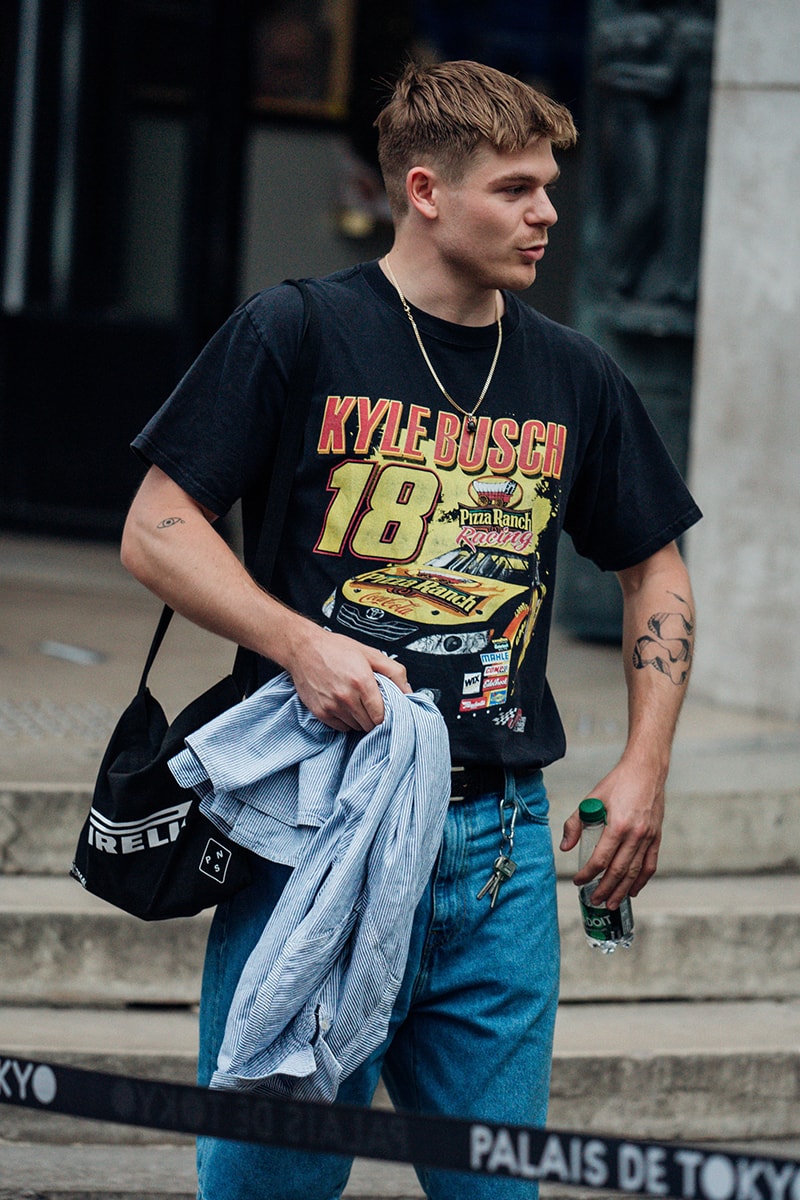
(470, 780)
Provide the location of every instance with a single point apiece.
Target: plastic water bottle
(604, 930)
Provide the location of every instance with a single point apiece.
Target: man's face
(492, 225)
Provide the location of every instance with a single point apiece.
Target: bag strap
(290, 441)
(290, 444)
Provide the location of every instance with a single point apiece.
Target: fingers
(335, 678)
(648, 868)
(626, 868)
(571, 832)
(391, 669)
(345, 704)
(626, 855)
(617, 882)
(370, 710)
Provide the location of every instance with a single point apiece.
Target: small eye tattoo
(165, 524)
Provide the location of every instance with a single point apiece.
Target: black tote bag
(145, 847)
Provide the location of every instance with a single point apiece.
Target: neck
(430, 289)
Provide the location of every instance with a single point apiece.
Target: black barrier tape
(480, 1147)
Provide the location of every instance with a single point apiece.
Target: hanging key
(504, 867)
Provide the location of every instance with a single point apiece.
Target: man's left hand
(627, 853)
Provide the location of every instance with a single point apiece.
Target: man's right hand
(170, 545)
(335, 678)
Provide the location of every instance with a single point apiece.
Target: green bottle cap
(592, 811)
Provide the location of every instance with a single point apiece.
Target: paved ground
(74, 629)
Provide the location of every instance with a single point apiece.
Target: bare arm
(658, 643)
(170, 545)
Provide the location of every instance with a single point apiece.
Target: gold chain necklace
(470, 415)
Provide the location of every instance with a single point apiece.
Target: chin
(518, 281)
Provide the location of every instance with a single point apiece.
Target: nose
(542, 210)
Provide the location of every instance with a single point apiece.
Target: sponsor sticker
(502, 656)
(513, 719)
(499, 668)
(472, 683)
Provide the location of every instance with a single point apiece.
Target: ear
(422, 187)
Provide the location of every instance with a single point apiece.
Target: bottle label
(600, 923)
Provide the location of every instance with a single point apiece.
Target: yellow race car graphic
(481, 603)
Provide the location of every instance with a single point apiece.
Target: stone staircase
(693, 1034)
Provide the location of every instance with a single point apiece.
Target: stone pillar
(745, 432)
(647, 116)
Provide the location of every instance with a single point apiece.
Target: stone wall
(745, 437)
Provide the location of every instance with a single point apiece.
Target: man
(453, 433)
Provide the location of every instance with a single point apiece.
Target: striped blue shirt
(360, 817)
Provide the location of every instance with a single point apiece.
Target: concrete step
(168, 1173)
(149, 1043)
(717, 754)
(727, 938)
(39, 827)
(96, 1172)
(690, 1071)
(720, 828)
(122, 1172)
(59, 945)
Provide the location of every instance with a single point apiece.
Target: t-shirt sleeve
(628, 499)
(216, 434)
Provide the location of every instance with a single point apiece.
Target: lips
(533, 253)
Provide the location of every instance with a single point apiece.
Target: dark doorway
(120, 220)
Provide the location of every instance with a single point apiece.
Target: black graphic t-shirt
(406, 529)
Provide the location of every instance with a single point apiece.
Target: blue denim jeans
(472, 1027)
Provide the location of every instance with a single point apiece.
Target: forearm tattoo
(165, 524)
(669, 644)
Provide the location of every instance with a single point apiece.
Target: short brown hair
(443, 112)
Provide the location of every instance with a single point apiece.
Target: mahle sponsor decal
(502, 657)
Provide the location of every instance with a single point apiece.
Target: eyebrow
(524, 177)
